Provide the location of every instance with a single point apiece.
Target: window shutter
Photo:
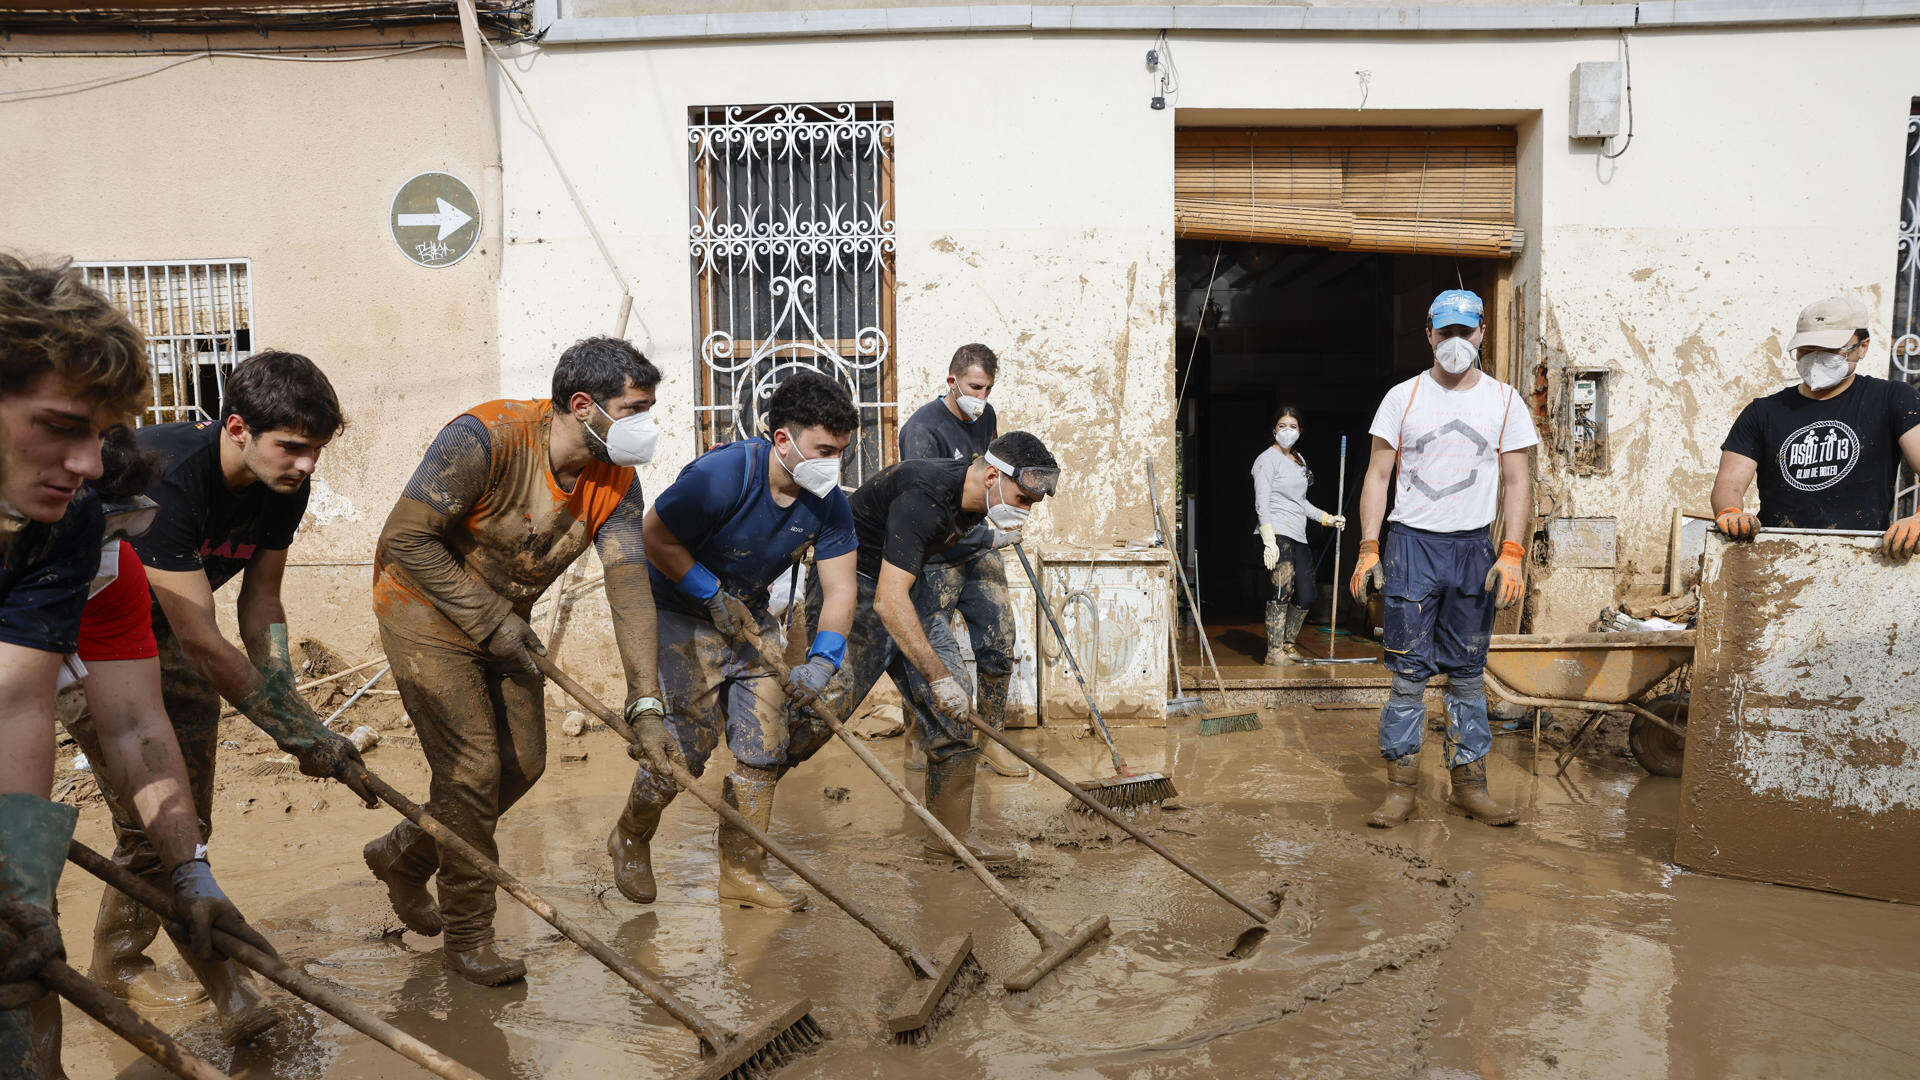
(1437, 192)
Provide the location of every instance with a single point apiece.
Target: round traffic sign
(435, 219)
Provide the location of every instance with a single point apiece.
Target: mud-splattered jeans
(1438, 617)
(485, 739)
(977, 588)
(870, 652)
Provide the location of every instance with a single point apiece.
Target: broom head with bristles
(926, 1003)
(1125, 792)
(763, 1050)
(1222, 723)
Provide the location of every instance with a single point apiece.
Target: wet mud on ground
(1566, 947)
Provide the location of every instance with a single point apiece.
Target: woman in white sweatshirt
(1280, 482)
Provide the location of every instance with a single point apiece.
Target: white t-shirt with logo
(1450, 442)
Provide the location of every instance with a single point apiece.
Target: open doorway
(1263, 325)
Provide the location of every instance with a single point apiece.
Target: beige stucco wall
(1034, 213)
(293, 166)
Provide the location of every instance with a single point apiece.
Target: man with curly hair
(71, 368)
(734, 521)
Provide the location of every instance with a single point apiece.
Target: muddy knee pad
(759, 773)
(1403, 718)
(1467, 717)
(1467, 689)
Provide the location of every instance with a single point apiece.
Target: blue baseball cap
(1456, 307)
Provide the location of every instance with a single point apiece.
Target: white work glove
(1269, 551)
(999, 538)
(950, 700)
(1334, 521)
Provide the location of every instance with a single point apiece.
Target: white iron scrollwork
(792, 245)
(1905, 361)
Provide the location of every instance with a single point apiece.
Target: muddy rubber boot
(1470, 795)
(743, 863)
(1279, 645)
(121, 933)
(993, 709)
(1403, 776)
(416, 907)
(482, 965)
(244, 1014)
(916, 754)
(950, 798)
(630, 844)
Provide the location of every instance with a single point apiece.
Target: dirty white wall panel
(292, 166)
(1034, 213)
(1803, 739)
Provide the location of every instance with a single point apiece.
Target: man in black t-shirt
(904, 514)
(230, 495)
(969, 577)
(1827, 450)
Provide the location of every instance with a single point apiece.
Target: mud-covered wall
(1034, 212)
(292, 165)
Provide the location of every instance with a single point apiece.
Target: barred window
(792, 247)
(198, 319)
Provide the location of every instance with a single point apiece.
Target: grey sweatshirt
(1280, 494)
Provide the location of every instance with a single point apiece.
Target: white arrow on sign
(448, 217)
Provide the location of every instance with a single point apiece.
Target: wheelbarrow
(1599, 674)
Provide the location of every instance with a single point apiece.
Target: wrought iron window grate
(792, 247)
(1905, 361)
(198, 319)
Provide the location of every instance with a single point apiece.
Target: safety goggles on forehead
(1032, 479)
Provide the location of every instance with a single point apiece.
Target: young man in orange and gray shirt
(507, 497)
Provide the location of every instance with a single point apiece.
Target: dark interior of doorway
(1325, 331)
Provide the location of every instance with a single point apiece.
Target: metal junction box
(1595, 106)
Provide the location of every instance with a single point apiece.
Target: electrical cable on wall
(34, 93)
(1626, 53)
(1160, 62)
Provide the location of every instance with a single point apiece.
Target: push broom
(936, 990)
(1126, 789)
(753, 1054)
(1055, 948)
(1216, 723)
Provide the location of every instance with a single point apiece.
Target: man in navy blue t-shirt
(735, 520)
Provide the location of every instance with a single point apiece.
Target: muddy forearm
(415, 539)
(142, 755)
(902, 622)
(630, 595)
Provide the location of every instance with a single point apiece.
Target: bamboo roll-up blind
(1442, 192)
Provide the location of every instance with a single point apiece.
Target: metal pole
(1339, 507)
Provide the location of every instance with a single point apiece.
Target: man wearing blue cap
(1458, 440)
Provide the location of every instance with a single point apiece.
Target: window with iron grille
(1905, 361)
(198, 319)
(793, 263)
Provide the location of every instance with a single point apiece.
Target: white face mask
(1003, 515)
(1456, 354)
(630, 440)
(1824, 370)
(818, 476)
(1286, 437)
(972, 406)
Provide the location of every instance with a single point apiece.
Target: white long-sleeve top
(1280, 494)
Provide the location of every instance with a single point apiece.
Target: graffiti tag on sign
(434, 219)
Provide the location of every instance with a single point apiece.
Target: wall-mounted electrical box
(1584, 419)
(1595, 105)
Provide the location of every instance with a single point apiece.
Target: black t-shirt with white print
(1827, 464)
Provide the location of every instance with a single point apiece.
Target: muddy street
(1568, 946)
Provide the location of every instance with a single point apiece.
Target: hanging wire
(1627, 53)
(33, 93)
(1199, 325)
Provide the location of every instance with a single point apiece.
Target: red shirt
(118, 622)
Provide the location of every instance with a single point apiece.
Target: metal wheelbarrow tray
(1597, 673)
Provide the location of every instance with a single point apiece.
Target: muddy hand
(1737, 524)
(805, 683)
(1507, 580)
(656, 747)
(333, 756)
(200, 903)
(510, 643)
(1367, 576)
(729, 616)
(1902, 538)
(950, 700)
(29, 938)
